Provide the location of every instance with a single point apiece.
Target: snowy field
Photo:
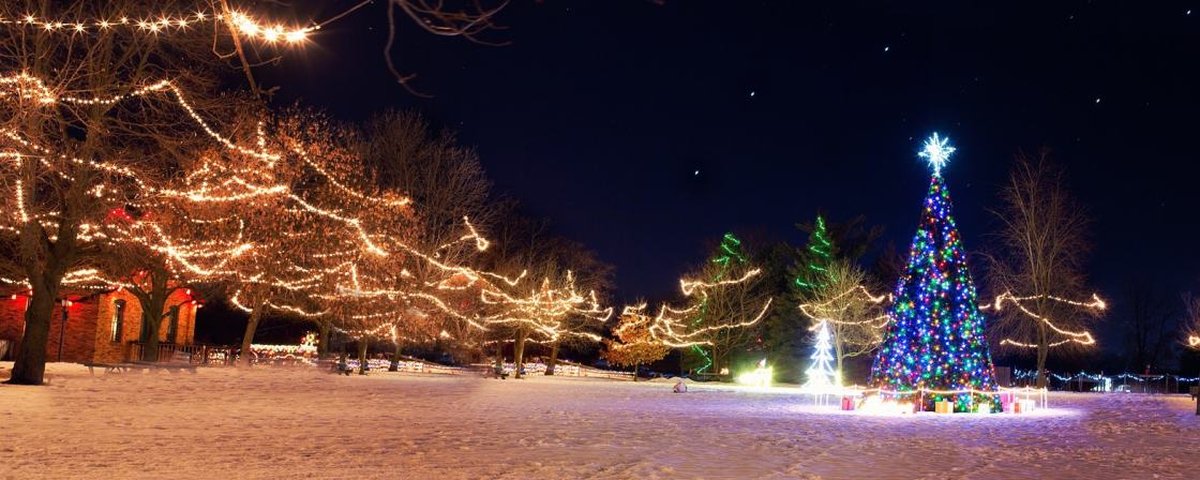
(280, 423)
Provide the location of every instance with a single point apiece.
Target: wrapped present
(944, 406)
(848, 403)
(1027, 405)
(1007, 398)
(1010, 407)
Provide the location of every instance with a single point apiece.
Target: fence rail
(183, 353)
(1123, 382)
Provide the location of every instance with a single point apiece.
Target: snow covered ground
(283, 423)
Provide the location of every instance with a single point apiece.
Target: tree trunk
(1043, 351)
(499, 356)
(553, 359)
(248, 337)
(362, 356)
(30, 366)
(152, 315)
(635, 368)
(519, 352)
(323, 341)
(715, 367)
(841, 358)
(395, 366)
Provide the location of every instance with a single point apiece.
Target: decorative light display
(244, 177)
(937, 151)
(1194, 341)
(935, 342)
(545, 309)
(826, 312)
(161, 25)
(671, 327)
(821, 374)
(760, 377)
(814, 275)
(729, 253)
(1081, 337)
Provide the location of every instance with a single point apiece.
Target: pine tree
(812, 271)
(936, 338)
(729, 257)
(805, 278)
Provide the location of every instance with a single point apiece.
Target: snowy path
(281, 423)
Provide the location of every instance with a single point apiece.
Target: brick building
(101, 326)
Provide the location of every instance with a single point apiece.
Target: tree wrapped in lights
(854, 316)
(741, 305)
(79, 144)
(1039, 266)
(635, 345)
(805, 277)
(729, 261)
(811, 273)
(936, 341)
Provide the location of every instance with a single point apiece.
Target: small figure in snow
(680, 387)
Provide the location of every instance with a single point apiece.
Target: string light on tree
(1081, 337)
(244, 24)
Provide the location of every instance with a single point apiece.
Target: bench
(172, 367)
(111, 367)
(493, 372)
(338, 367)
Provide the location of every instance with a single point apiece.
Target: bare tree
(87, 146)
(731, 304)
(1147, 318)
(1043, 248)
(1191, 304)
(855, 317)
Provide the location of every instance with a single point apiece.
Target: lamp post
(62, 330)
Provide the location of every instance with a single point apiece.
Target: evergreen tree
(728, 258)
(806, 276)
(811, 273)
(936, 338)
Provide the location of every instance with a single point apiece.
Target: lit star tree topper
(937, 151)
(935, 342)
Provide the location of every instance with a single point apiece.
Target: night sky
(599, 115)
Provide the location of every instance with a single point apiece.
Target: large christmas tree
(935, 341)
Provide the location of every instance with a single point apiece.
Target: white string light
(243, 23)
(1082, 337)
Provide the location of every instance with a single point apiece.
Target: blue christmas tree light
(935, 341)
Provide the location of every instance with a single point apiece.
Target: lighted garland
(1081, 337)
(823, 312)
(244, 24)
(670, 326)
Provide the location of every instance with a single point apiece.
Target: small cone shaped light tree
(935, 342)
(821, 374)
